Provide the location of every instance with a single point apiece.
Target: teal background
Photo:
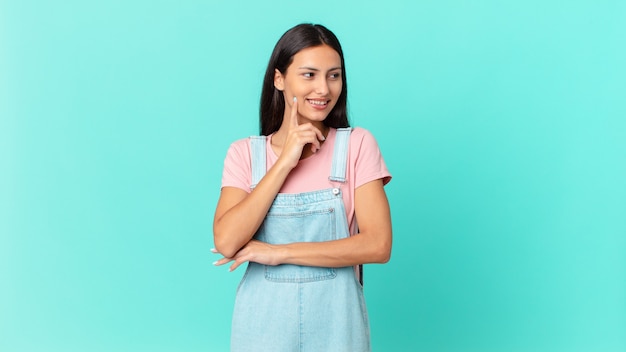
(503, 124)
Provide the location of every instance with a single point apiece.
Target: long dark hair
(297, 38)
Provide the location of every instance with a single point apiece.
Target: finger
(235, 265)
(213, 250)
(315, 140)
(221, 261)
(308, 131)
(294, 112)
(318, 134)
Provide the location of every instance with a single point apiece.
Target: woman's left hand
(254, 251)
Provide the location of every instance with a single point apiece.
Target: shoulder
(361, 136)
(237, 170)
(361, 133)
(239, 144)
(239, 151)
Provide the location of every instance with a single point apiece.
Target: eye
(308, 74)
(335, 75)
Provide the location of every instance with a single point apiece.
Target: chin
(318, 115)
(316, 118)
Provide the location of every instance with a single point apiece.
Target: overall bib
(288, 307)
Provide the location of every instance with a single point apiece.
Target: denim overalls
(288, 307)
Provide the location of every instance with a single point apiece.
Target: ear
(279, 80)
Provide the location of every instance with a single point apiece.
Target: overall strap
(338, 169)
(258, 158)
(340, 155)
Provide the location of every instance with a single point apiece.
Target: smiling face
(314, 78)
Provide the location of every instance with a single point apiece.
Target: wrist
(284, 166)
(281, 253)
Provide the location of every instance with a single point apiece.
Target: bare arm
(238, 214)
(371, 245)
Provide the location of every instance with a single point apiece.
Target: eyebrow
(316, 69)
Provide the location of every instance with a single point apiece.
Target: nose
(321, 87)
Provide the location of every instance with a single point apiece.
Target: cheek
(337, 88)
(292, 88)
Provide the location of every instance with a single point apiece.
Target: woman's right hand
(298, 137)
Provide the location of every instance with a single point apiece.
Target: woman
(290, 203)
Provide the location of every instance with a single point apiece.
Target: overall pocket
(297, 273)
(282, 227)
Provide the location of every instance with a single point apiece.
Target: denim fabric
(257, 144)
(338, 169)
(301, 308)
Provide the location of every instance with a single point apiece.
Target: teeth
(317, 102)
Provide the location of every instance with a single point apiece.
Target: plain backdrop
(502, 122)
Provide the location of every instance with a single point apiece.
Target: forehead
(322, 57)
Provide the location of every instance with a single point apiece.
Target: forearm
(358, 249)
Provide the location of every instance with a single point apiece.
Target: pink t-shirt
(365, 164)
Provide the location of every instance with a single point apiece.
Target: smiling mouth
(320, 103)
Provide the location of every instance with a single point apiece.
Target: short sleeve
(369, 163)
(237, 170)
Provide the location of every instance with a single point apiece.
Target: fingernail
(323, 138)
(213, 250)
(295, 99)
(215, 262)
